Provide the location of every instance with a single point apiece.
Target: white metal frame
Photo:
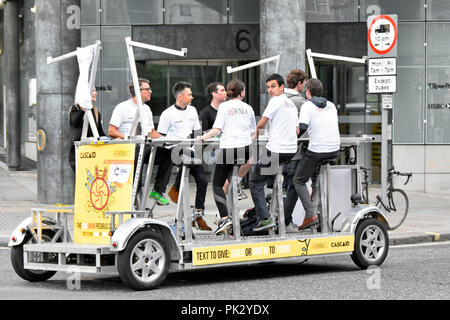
(310, 55)
(88, 117)
(130, 44)
(257, 63)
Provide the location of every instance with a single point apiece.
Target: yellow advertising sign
(104, 182)
(271, 250)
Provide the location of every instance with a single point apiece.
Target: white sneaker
(292, 227)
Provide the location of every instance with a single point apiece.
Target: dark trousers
(164, 163)
(265, 170)
(291, 195)
(306, 169)
(226, 159)
(201, 180)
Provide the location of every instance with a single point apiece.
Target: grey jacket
(296, 97)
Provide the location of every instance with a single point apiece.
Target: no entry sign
(382, 35)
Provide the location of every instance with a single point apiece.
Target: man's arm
(211, 133)
(261, 125)
(303, 129)
(155, 134)
(114, 133)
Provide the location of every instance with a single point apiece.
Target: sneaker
(292, 227)
(309, 222)
(199, 223)
(173, 194)
(223, 225)
(160, 200)
(264, 224)
(241, 195)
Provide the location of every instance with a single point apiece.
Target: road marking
(5, 248)
(436, 236)
(421, 244)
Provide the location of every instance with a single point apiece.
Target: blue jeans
(265, 170)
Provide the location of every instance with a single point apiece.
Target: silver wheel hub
(147, 260)
(373, 243)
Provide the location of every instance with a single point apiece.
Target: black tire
(146, 248)
(371, 243)
(399, 205)
(17, 260)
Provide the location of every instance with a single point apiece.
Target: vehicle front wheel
(371, 243)
(144, 264)
(18, 263)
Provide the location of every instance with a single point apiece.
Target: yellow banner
(271, 250)
(104, 182)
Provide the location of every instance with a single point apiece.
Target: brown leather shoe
(173, 194)
(308, 222)
(201, 224)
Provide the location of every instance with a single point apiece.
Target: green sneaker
(159, 198)
(264, 224)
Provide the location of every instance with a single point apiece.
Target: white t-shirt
(177, 123)
(124, 113)
(323, 128)
(237, 121)
(282, 114)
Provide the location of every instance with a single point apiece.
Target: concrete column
(12, 82)
(57, 33)
(282, 30)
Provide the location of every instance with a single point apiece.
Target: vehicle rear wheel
(18, 263)
(371, 243)
(144, 264)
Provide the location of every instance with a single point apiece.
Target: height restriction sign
(382, 35)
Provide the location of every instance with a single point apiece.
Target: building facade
(221, 33)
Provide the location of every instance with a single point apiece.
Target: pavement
(428, 219)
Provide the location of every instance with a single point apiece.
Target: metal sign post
(382, 76)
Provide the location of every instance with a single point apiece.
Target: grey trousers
(305, 170)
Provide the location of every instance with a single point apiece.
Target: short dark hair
(131, 87)
(234, 88)
(212, 87)
(315, 87)
(294, 77)
(277, 77)
(179, 87)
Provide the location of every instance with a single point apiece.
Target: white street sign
(382, 67)
(382, 84)
(386, 101)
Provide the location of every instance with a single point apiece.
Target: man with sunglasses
(122, 120)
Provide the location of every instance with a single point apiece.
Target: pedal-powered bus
(115, 230)
(143, 249)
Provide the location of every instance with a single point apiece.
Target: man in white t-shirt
(120, 125)
(281, 114)
(319, 118)
(180, 121)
